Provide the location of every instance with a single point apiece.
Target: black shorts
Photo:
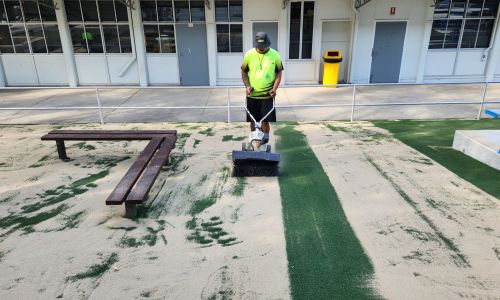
(259, 108)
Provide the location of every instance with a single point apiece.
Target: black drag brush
(255, 163)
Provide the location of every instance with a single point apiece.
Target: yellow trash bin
(332, 60)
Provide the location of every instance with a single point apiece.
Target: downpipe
(354, 31)
(132, 41)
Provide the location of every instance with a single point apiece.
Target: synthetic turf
(325, 259)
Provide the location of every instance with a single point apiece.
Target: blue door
(193, 56)
(387, 52)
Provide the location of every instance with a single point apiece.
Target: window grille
(229, 23)
(98, 26)
(301, 29)
(463, 24)
(28, 26)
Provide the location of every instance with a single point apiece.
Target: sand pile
(203, 233)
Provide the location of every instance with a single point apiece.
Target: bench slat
(113, 131)
(141, 189)
(100, 136)
(123, 188)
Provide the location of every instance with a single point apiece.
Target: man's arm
(246, 81)
(276, 84)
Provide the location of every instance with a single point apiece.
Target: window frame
(25, 25)
(100, 24)
(301, 33)
(464, 19)
(229, 22)
(157, 23)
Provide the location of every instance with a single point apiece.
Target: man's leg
(266, 127)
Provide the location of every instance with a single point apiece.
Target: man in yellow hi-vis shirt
(261, 74)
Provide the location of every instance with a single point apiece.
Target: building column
(140, 46)
(283, 38)
(494, 53)
(3, 80)
(353, 45)
(211, 43)
(67, 45)
(429, 15)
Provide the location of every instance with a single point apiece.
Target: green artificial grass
(435, 139)
(325, 259)
(95, 271)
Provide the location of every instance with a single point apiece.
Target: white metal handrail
(229, 106)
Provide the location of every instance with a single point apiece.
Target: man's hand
(272, 93)
(249, 90)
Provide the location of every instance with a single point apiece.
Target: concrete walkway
(119, 98)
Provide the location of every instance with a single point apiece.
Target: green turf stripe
(325, 259)
(435, 139)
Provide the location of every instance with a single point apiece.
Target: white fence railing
(99, 107)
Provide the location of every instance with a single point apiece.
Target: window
(158, 20)
(189, 11)
(463, 24)
(301, 30)
(28, 26)
(229, 23)
(98, 26)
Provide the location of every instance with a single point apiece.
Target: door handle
(189, 50)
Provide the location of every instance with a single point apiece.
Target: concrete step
(482, 145)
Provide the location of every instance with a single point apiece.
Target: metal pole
(99, 105)
(485, 90)
(353, 102)
(228, 106)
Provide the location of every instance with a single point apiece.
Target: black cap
(261, 40)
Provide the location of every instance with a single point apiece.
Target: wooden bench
(134, 187)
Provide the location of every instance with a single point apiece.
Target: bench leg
(130, 210)
(61, 149)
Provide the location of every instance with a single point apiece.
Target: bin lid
(332, 56)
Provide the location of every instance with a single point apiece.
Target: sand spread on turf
(429, 234)
(71, 245)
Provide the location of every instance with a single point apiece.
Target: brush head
(255, 169)
(255, 163)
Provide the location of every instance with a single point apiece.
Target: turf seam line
(458, 258)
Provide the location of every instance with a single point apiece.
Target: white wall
(27, 69)
(228, 69)
(51, 69)
(453, 65)
(92, 69)
(497, 72)
(440, 63)
(19, 69)
(117, 64)
(105, 69)
(379, 10)
(163, 69)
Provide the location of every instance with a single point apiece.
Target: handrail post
(99, 107)
(228, 105)
(485, 90)
(353, 102)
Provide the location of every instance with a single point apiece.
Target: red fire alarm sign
(393, 11)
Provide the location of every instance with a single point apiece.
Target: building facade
(202, 42)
